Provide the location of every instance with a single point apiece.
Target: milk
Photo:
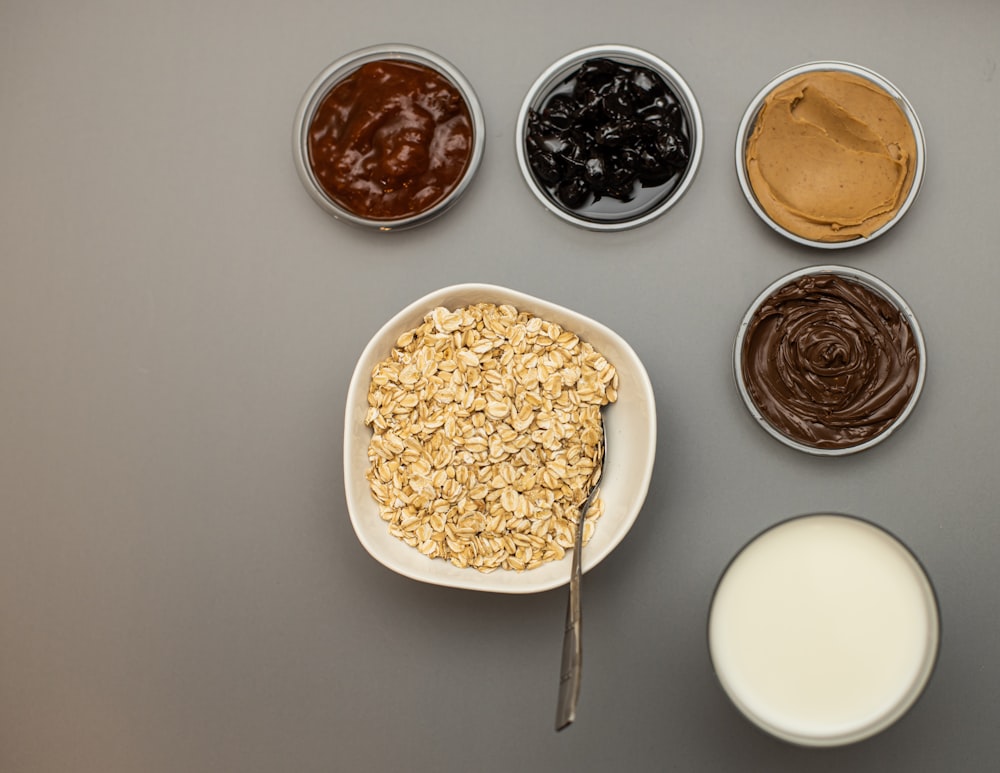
(824, 630)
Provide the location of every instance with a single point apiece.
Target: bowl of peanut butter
(830, 154)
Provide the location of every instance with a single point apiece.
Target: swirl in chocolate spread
(829, 362)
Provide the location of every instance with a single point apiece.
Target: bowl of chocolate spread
(830, 154)
(830, 360)
(388, 137)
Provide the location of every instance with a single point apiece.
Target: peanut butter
(831, 157)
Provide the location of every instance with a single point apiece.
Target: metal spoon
(572, 647)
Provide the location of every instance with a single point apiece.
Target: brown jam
(391, 140)
(828, 362)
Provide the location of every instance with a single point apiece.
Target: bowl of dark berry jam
(388, 137)
(609, 137)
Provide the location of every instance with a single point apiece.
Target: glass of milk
(824, 630)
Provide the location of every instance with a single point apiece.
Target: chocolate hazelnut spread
(828, 362)
(832, 156)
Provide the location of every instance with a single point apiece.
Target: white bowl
(630, 429)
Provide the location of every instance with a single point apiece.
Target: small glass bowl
(344, 67)
(616, 218)
(881, 289)
(749, 121)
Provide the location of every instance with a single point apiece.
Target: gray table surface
(180, 586)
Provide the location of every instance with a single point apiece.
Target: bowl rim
(873, 283)
(630, 55)
(917, 690)
(392, 553)
(335, 72)
(749, 120)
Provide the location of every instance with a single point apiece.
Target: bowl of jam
(830, 155)
(609, 137)
(830, 360)
(388, 137)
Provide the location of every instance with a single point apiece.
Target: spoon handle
(572, 648)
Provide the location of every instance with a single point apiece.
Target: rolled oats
(487, 433)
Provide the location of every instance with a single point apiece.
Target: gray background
(180, 587)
